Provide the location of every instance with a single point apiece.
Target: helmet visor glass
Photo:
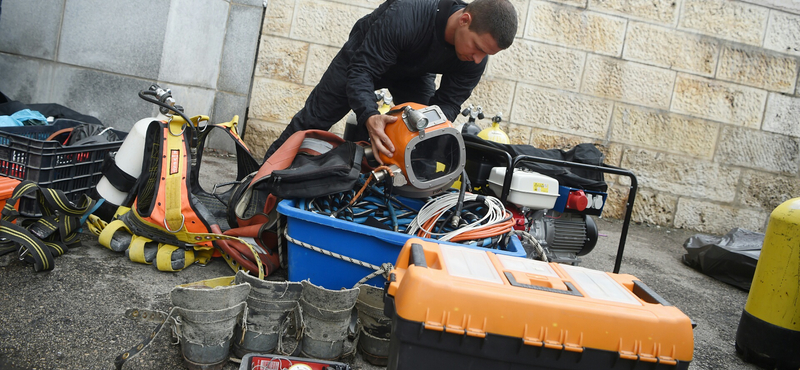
(435, 157)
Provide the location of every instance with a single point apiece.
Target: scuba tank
(132, 147)
(474, 113)
(387, 101)
(384, 100)
(119, 176)
(494, 133)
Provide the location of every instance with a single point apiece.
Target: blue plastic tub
(364, 243)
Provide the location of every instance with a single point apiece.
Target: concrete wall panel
(110, 97)
(93, 35)
(193, 45)
(25, 80)
(30, 27)
(241, 42)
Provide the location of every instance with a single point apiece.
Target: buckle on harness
(166, 226)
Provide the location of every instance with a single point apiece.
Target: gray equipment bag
(271, 307)
(326, 319)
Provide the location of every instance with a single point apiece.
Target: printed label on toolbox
(469, 263)
(598, 285)
(527, 266)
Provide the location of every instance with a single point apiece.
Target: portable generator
(556, 208)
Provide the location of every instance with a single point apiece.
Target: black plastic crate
(26, 154)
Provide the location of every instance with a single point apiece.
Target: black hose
(144, 95)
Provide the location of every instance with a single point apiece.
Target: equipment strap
(193, 253)
(40, 239)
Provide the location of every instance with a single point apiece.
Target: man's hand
(376, 126)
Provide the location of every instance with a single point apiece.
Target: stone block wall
(699, 98)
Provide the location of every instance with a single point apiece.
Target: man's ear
(465, 19)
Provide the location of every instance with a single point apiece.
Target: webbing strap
(164, 258)
(384, 269)
(136, 250)
(107, 233)
(175, 178)
(200, 253)
(40, 239)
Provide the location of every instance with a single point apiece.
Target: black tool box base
(415, 348)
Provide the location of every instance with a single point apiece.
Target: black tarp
(730, 258)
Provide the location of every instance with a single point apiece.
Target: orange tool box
(7, 186)
(460, 308)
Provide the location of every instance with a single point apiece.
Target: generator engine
(564, 236)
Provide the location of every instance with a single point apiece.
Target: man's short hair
(496, 17)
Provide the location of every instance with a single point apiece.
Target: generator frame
(512, 163)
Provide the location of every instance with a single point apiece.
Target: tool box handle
(648, 295)
(417, 256)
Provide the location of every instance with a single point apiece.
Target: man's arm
(383, 41)
(455, 88)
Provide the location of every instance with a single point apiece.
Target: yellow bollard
(769, 330)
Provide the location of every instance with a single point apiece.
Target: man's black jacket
(404, 39)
